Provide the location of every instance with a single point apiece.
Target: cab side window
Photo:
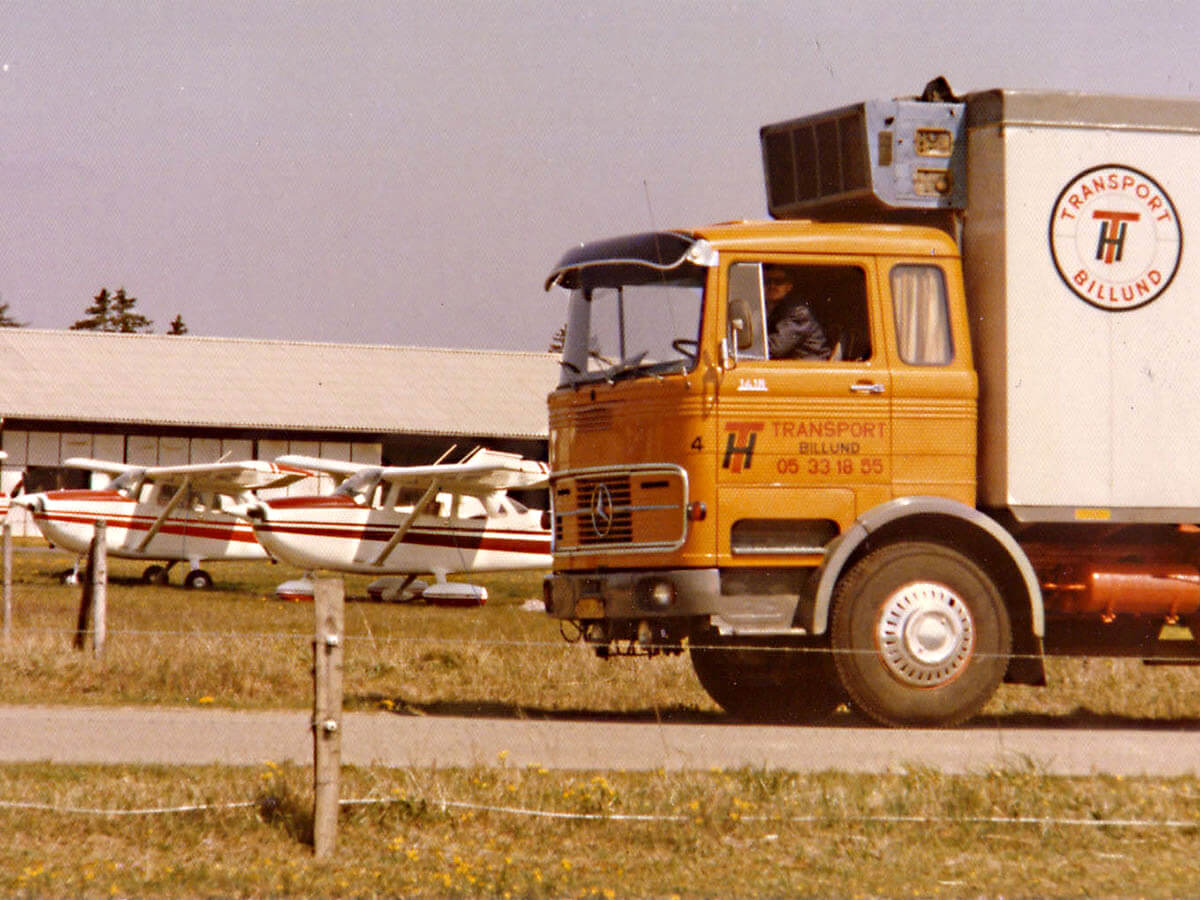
(922, 315)
(805, 312)
(744, 317)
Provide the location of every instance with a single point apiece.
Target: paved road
(186, 735)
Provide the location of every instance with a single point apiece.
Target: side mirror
(741, 324)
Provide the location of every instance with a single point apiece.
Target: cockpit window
(361, 486)
(126, 481)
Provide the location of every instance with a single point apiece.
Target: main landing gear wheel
(198, 580)
(154, 575)
(760, 683)
(920, 635)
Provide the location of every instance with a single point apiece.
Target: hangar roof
(225, 382)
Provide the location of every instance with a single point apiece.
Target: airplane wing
(481, 473)
(338, 469)
(227, 478)
(106, 466)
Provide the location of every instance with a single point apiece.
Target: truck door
(934, 387)
(803, 407)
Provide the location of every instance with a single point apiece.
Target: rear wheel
(761, 683)
(920, 635)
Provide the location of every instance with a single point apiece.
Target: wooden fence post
(100, 587)
(85, 599)
(93, 602)
(329, 608)
(6, 530)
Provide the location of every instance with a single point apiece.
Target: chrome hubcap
(925, 634)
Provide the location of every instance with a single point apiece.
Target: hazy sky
(407, 172)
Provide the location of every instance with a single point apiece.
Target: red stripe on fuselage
(318, 502)
(234, 531)
(91, 496)
(453, 538)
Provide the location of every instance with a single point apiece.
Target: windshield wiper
(625, 366)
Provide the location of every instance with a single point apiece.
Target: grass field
(468, 833)
(237, 646)
(459, 833)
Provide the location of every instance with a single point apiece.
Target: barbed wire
(143, 811)
(581, 645)
(527, 812)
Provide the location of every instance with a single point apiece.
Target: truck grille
(611, 516)
(619, 509)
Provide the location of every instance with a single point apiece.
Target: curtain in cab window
(922, 316)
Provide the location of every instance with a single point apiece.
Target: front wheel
(761, 683)
(198, 580)
(920, 635)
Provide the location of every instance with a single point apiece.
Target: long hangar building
(168, 400)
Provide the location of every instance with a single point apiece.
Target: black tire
(154, 575)
(920, 634)
(197, 580)
(789, 684)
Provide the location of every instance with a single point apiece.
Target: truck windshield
(633, 329)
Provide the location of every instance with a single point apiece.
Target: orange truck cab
(801, 447)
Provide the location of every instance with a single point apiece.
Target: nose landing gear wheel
(197, 580)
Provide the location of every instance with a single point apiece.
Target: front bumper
(634, 594)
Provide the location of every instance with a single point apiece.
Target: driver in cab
(793, 332)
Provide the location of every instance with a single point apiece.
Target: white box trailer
(1085, 309)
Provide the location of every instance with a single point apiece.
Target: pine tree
(123, 318)
(558, 341)
(113, 312)
(97, 314)
(177, 325)
(7, 321)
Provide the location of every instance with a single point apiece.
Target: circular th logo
(1115, 237)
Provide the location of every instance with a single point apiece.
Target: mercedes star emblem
(602, 510)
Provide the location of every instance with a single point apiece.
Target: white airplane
(410, 520)
(164, 513)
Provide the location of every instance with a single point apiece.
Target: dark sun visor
(631, 259)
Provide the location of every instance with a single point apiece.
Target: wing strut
(162, 517)
(428, 497)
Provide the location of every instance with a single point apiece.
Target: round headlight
(662, 595)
